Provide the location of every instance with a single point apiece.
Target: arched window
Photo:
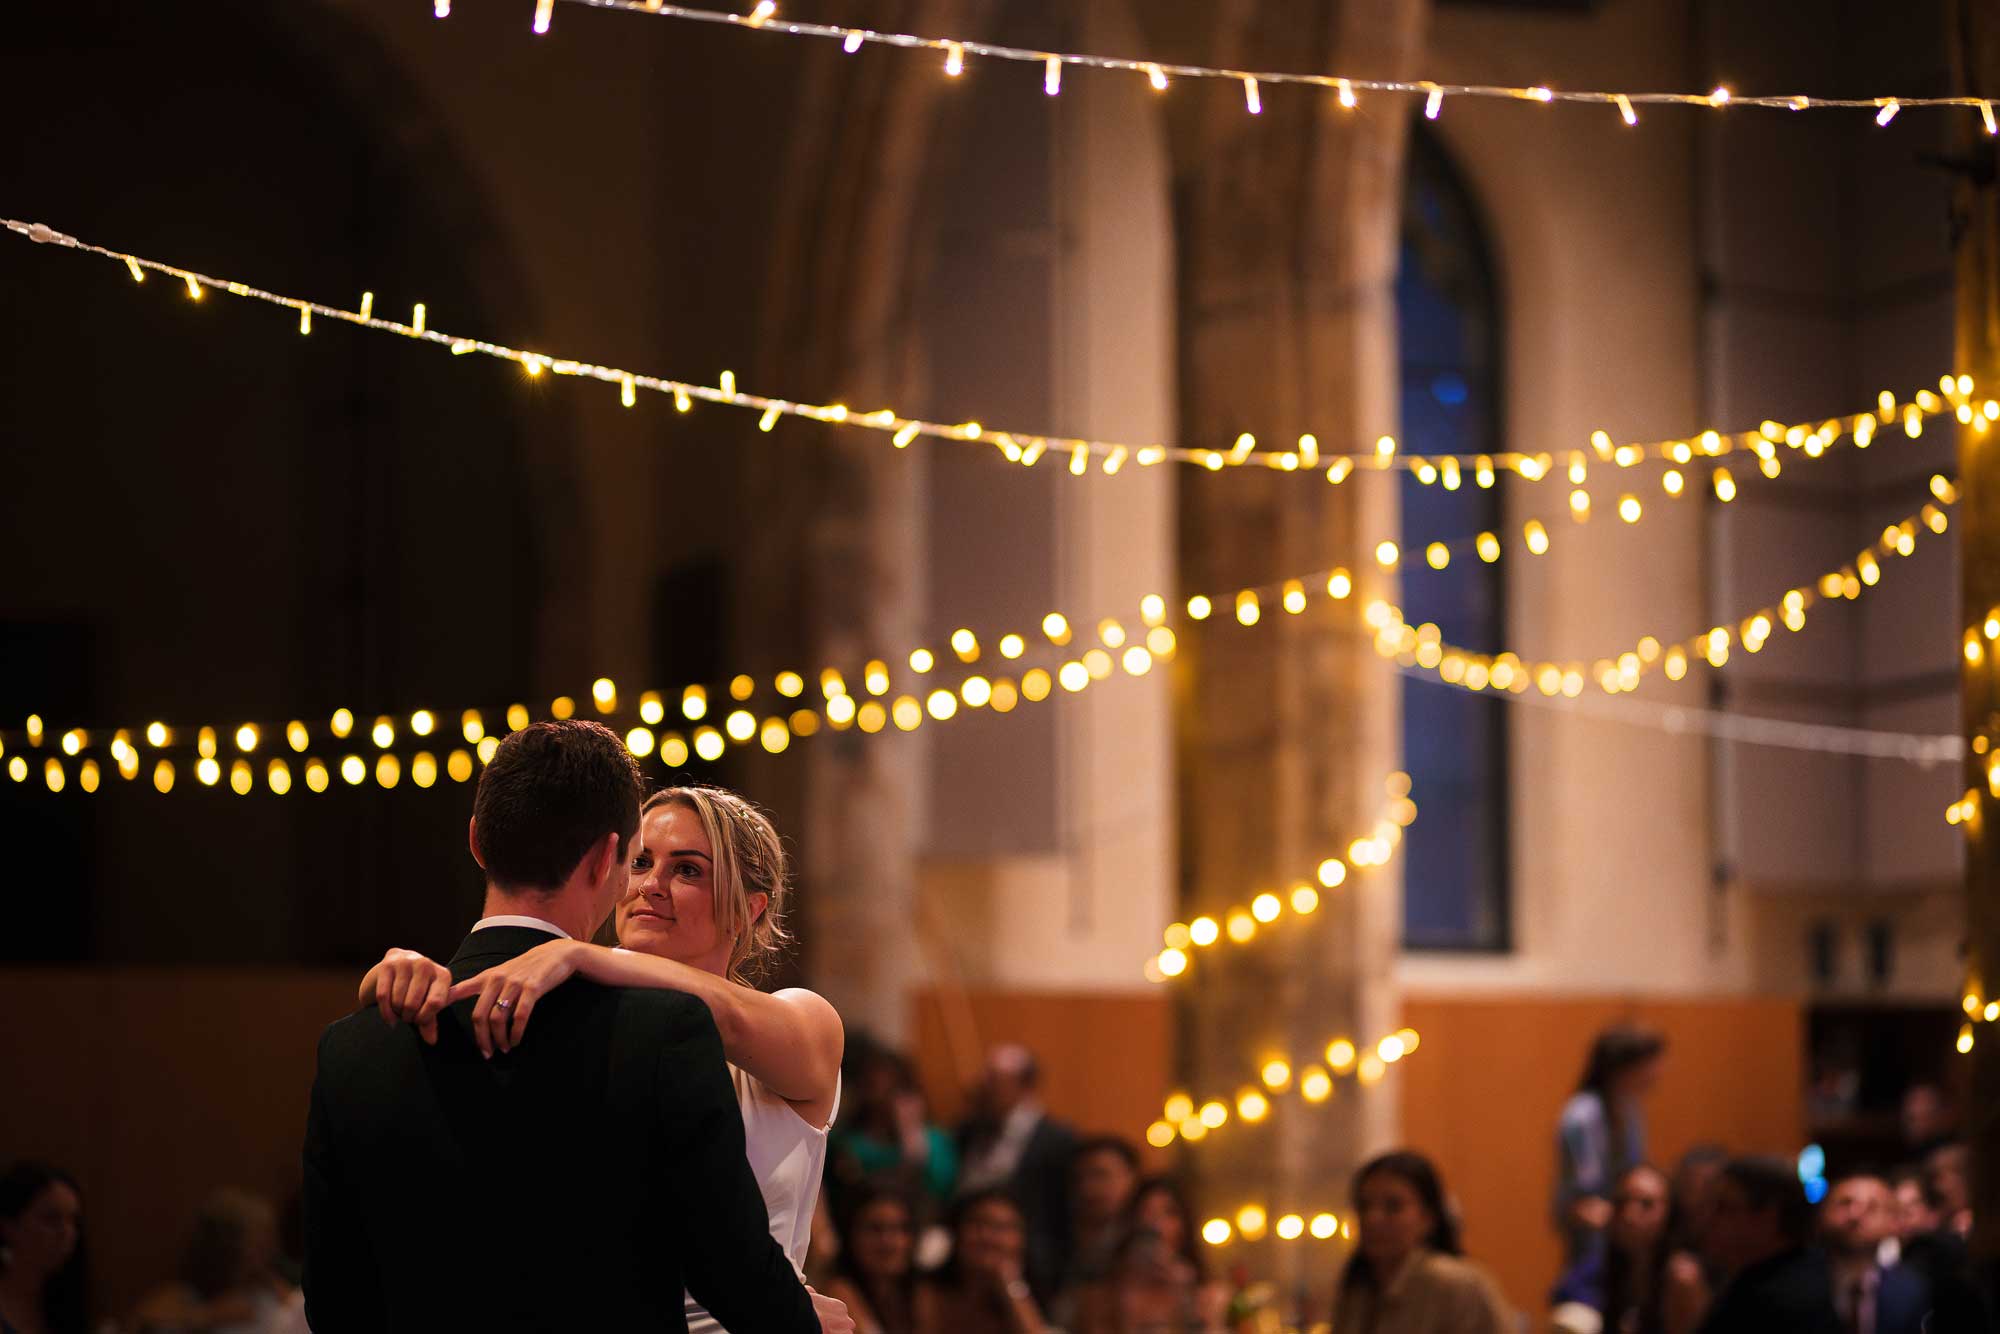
(1454, 743)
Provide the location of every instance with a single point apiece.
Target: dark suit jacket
(1792, 1292)
(1902, 1300)
(576, 1183)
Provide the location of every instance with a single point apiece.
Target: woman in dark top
(982, 1289)
(42, 1267)
(876, 1272)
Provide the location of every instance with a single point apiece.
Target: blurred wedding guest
(1928, 1120)
(1869, 1296)
(1104, 1172)
(229, 1281)
(1407, 1274)
(1758, 1238)
(875, 1272)
(983, 1288)
(1012, 1143)
(1602, 1132)
(43, 1272)
(1947, 1182)
(888, 1137)
(1156, 1281)
(1914, 1215)
(1637, 1284)
(1695, 1178)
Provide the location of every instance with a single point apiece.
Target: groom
(578, 1182)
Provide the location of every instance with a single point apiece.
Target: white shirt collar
(513, 919)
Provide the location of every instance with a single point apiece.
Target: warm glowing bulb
(1204, 931)
(1276, 1074)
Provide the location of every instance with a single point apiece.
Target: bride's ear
(758, 902)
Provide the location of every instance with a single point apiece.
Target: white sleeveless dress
(788, 1156)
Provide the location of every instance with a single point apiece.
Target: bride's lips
(650, 913)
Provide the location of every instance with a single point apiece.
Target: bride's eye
(688, 871)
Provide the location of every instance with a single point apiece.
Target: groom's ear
(472, 841)
(604, 858)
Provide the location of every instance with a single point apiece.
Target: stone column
(1977, 58)
(1287, 228)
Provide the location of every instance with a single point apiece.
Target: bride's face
(669, 904)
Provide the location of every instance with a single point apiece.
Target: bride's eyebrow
(691, 852)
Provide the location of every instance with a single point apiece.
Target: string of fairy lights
(1422, 647)
(1243, 923)
(1110, 457)
(1137, 651)
(1160, 75)
(1191, 1120)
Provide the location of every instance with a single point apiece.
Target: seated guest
(43, 1274)
(1406, 1275)
(1155, 1282)
(229, 1282)
(1757, 1238)
(1871, 1298)
(1914, 1215)
(1104, 1173)
(1947, 1177)
(888, 1138)
(876, 1273)
(983, 1288)
(1635, 1285)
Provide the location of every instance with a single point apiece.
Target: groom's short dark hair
(549, 793)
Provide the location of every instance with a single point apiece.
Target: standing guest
(1870, 1297)
(229, 1280)
(876, 1272)
(43, 1272)
(1407, 1274)
(1602, 1132)
(983, 1288)
(1757, 1238)
(1013, 1144)
(1105, 1172)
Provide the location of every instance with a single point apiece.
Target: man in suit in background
(1013, 1143)
(1871, 1297)
(578, 1182)
(1757, 1236)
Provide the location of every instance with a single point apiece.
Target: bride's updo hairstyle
(749, 860)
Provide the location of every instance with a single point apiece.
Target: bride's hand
(408, 988)
(509, 991)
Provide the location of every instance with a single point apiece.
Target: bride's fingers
(467, 989)
(434, 1003)
(482, 1014)
(414, 989)
(385, 992)
(524, 1004)
(503, 1016)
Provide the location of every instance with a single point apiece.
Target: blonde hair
(749, 858)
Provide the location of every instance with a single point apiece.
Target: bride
(704, 913)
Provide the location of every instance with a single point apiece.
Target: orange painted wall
(1106, 1057)
(1482, 1095)
(154, 1087)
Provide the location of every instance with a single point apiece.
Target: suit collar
(493, 945)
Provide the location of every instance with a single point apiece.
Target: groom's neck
(565, 908)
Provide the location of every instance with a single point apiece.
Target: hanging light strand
(1025, 449)
(1244, 923)
(1161, 72)
(1313, 1077)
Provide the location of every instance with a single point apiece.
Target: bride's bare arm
(790, 1040)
